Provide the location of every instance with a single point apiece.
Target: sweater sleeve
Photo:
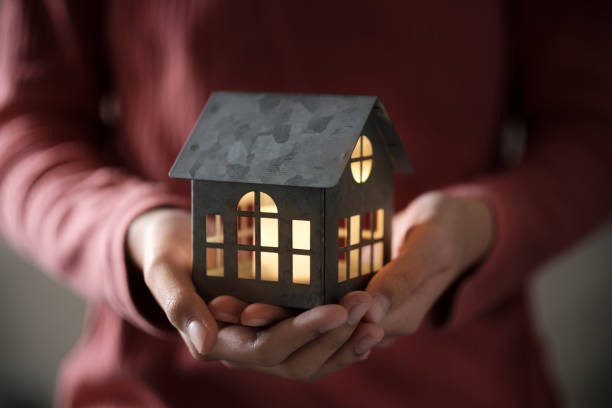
(563, 186)
(62, 203)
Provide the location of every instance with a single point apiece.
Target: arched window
(257, 237)
(361, 159)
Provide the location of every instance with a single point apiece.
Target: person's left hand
(436, 238)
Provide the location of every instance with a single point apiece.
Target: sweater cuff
(127, 292)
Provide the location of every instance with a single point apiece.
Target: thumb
(184, 308)
(397, 281)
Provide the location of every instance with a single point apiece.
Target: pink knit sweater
(71, 182)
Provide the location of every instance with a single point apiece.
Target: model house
(292, 195)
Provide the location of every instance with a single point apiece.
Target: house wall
(350, 198)
(293, 203)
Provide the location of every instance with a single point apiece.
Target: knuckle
(263, 354)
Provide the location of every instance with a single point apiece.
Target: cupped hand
(305, 346)
(435, 239)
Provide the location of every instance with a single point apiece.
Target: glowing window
(366, 227)
(246, 230)
(246, 264)
(342, 232)
(269, 232)
(266, 204)
(354, 230)
(341, 267)
(366, 259)
(364, 252)
(257, 237)
(269, 266)
(300, 234)
(378, 256)
(301, 269)
(300, 243)
(379, 224)
(247, 202)
(214, 228)
(361, 159)
(354, 263)
(214, 262)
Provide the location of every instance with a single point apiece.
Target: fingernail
(365, 344)
(380, 305)
(356, 313)
(197, 335)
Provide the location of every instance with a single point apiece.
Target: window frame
(363, 242)
(257, 248)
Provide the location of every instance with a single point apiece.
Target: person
(97, 98)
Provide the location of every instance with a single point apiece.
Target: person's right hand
(304, 347)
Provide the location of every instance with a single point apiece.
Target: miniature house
(292, 195)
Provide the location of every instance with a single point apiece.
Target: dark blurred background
(41, 321)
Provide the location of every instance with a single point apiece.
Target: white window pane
(300, 234)
(269, 232)
(269, 266)
(301, 269)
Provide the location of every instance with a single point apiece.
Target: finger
(365, 337)
(184, 308)
(306, 361)
(396, 281)
(261, 314)
(227, 308)
(246, 345)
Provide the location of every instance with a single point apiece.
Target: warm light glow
(361, 168)
(356, 171)
(269, 266)
(246, 230)
(366, 227)
(246, 264)
(378, 256)
(354, 230)
(342, 267)
(247, 202)
(301, 269)
(300, 234)
(266, 204)
(354, 263)
(269, 232)
(342, 223)
(367, 147)
(380, 224)
(357, 150)
(214, 262)
(366, 168)
(366, 257)
(214, 228)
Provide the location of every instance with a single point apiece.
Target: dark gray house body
(292, 195)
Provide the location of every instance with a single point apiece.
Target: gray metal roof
(301, 140)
